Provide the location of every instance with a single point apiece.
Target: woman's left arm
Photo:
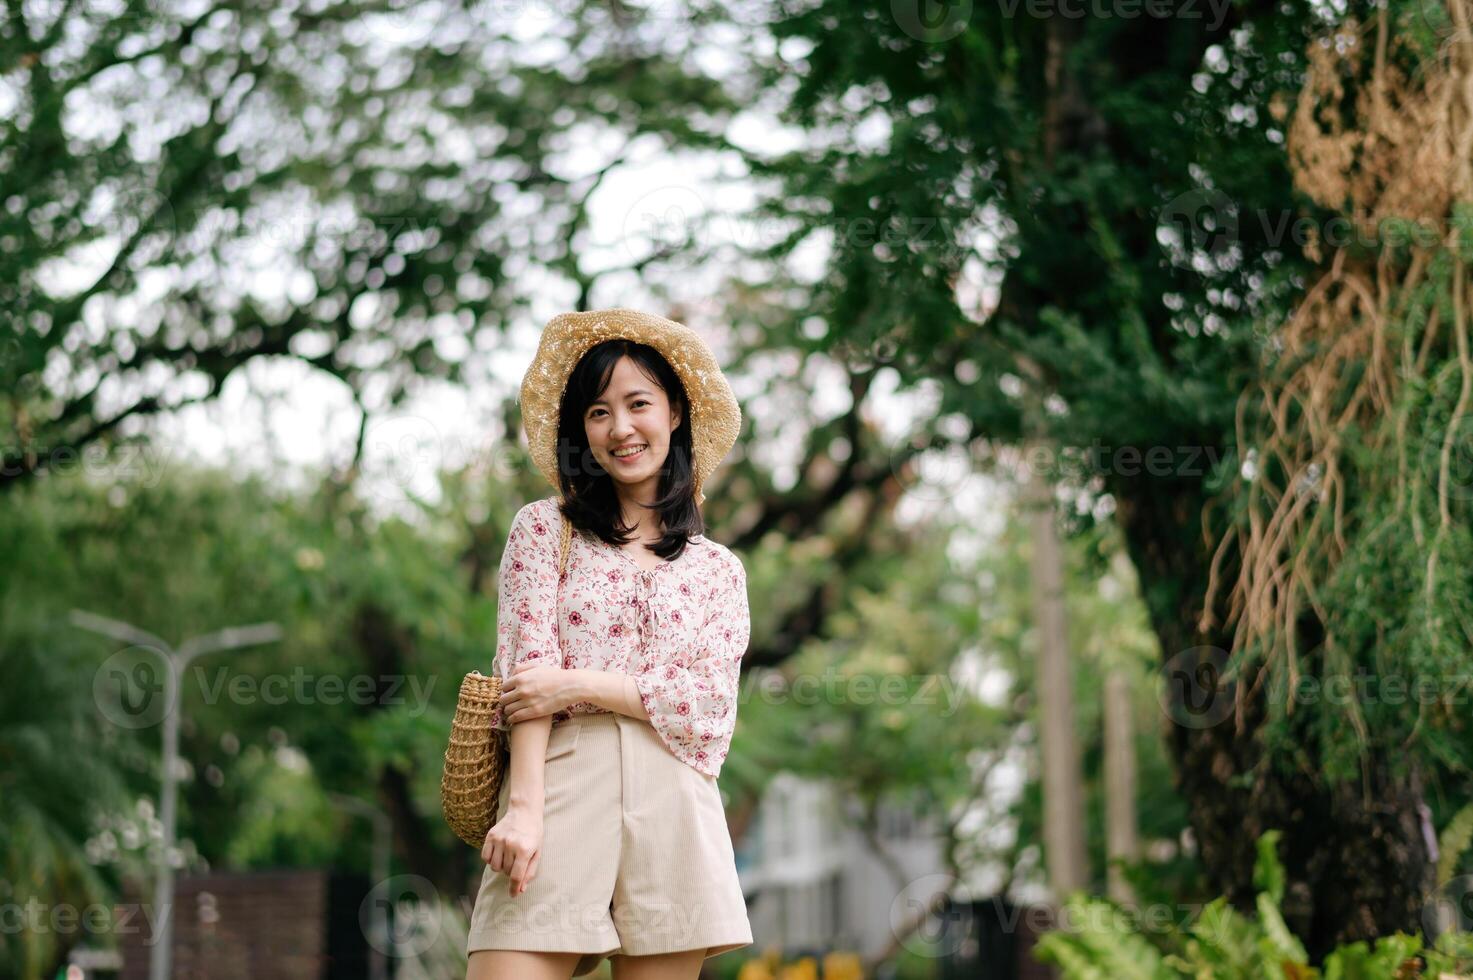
(610, 689)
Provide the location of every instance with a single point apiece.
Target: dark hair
(590, 502)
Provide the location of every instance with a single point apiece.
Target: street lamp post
(378, 963)
(175, 660)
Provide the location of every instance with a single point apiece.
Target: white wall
(811, 879)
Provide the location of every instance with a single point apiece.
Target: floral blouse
(680, 628)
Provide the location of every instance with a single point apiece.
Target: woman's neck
(636, 512)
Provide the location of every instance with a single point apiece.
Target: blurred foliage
(1104, 939)
(379, 625)
(62, 777)
(920, 693)
(1109, 632)
(381, 617)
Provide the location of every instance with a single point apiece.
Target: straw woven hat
(713, 414)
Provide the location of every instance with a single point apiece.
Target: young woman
(620, 635)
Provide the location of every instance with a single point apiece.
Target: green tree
(62, 776)
(153, 156)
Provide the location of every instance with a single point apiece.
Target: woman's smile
(625, 456)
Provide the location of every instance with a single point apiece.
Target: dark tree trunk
(387, 650)
(1356, 856)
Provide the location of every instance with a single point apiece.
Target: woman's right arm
(526, 632)
(514, 843)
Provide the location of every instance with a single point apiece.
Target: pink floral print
(680, 629)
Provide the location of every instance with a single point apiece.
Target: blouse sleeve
(692, 702)
(526, 626)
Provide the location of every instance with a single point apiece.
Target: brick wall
(286, 925)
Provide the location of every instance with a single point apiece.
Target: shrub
(1225, 944)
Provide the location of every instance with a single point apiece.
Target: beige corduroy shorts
(636, 854)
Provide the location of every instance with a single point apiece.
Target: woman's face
(632, 413)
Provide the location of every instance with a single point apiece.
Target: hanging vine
(1354, 502)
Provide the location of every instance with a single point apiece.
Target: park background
(1103, 486)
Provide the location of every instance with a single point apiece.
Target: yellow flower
(804, 969)
(842, 966)
(754, 969)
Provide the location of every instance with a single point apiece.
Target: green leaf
(1277, 932)
(1453, 841)
(1268, 873)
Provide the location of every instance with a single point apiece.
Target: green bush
(1224, 944)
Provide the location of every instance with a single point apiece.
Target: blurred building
(814, 883)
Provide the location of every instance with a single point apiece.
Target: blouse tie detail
(646, 609)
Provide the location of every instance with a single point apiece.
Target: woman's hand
(514, 846)
(534, 690)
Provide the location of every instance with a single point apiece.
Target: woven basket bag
(475, 761)
(478, 756)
